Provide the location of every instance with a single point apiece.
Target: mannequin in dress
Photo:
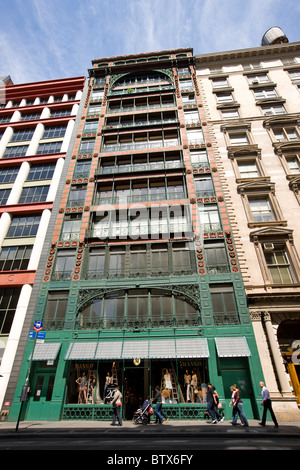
(168, 383)
(82, 382)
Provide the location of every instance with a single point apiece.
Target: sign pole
(38, 326)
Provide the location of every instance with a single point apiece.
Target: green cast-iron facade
(141, 279)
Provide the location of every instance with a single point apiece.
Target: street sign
(38, 325)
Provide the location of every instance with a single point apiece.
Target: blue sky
(49, 39)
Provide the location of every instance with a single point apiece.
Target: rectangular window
(64, 266)
(261, 210)
(82, 168)
(8, 304)
(117, 262)
(8, 175)
(24, 226)
(56, 306)
(14, 258)
(41, 172)
(275, 109)
(4, 194)
(265, 93)
(54, 132)
(248, 169)
(87, 146)
(220, 82)
(279, 266)
(71, 227)
(224, 305)
(238, 138)
(209, 218)
(204, 187)
(22, 135)
(224, 97)
(51, 147)
(216, 257)
(77, 196)
(17, 151)
(34, 194)
(96, 263)
(286, 134)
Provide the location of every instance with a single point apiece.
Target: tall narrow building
(36, 124)
(141, 284)
(252, 101)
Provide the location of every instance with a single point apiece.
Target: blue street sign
(38, 325)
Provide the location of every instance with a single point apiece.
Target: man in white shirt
(267, 404)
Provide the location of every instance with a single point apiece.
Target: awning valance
(45, 351)
(232, 347)
(142, 349)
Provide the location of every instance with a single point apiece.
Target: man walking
(267, 404)
(211, 403)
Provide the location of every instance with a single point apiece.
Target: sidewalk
(169, 428)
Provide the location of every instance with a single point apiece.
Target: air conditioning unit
(268, 246)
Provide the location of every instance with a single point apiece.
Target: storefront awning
(45, 351)
(142, 349)
(232, 347)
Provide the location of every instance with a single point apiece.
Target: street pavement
(170, 428)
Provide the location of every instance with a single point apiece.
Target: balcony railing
(121, 273)
(115, 199)
(144, 122)
(136, 167)
(180, 320)
(129, 109)
(140, 145)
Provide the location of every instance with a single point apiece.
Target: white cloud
(46, 39)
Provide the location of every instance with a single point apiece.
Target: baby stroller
(142, 415)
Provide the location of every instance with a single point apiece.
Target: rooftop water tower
(272, 36)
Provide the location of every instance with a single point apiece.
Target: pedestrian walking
(157, 400)
(211, 403)
(267, 404)
(116, 403)
(238, 409)
(219, 417)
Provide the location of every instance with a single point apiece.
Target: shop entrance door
(135, 389)
(39, 403)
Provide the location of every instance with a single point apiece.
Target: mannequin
(187, 384)
(194, 384)
(82, 382)
(168, 383)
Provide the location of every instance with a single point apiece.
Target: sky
(51, 39)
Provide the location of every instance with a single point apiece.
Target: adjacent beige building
(251, 100)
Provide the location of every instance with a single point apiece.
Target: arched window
(133, 308)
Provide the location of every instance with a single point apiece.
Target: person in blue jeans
(238, 409)
(158, 404)
(211, 403)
